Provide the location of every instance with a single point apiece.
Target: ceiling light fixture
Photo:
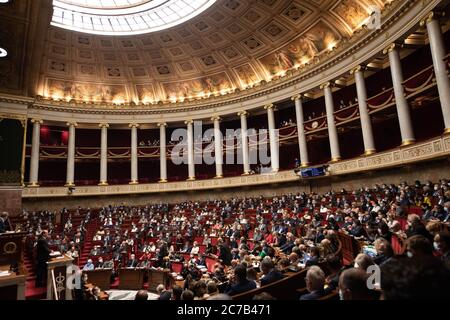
(4, 1)
(3, 52)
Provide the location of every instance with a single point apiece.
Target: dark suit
(315, 295)
(132, 263)
(43, 255)
(240, 287)
(225, 254)
(312, 262)
(272, 276)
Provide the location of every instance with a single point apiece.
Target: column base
(447, 131)
(335, 159)
(133, 182)
(246, 173)
(218, 177)
(69, 184)
(103, 183)
(407, 142)
(275, 170)
(33, 185)
(190, 179)
(305, 165)
(369, 152)
(162, 181)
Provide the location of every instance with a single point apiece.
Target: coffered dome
(231, 46)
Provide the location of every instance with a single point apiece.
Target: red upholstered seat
(176, 267)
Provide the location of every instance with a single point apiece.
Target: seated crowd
(223, 248)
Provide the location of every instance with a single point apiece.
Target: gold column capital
(325, 85)
(358, 68)
(391, 48)
(242, 113)
(134, 125)
(161, 124)
(69, 124)
(37, 121)
(103, 125)
(216, 118)
(433, 15)
(296, 97)
(269, 106)
(190, 121)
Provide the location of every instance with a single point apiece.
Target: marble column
(273, 138)
(403, 111)
(104, 154)
(244, 142)
(366, 124)
(332, 130)
(35, 145)
(134, 153)
(218, 148)
(438, 54)
(70, 176)
(162, 152)
(302, 144)
(190, 146)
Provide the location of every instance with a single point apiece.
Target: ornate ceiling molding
(398, 18)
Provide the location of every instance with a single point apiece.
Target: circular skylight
(124, 17)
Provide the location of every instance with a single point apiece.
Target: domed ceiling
(234, 44)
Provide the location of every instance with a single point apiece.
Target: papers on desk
(4, 273)
(55, 254)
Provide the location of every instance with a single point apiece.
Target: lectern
(57, 278)
(12, 280)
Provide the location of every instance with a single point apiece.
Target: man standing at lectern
(43, 255)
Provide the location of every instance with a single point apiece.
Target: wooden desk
(131, 279)
(100, 278)
(12, 287)
(157, 277)
(102, 295)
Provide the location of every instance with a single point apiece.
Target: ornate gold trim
(133, 182)
(447, 131)
(407, 142)
(162, 181)
(305, 165)
(335, 159)
(218, 177)
(190, 179)
(69, 184)
(103, 183)
(33, 185)
(369, 152)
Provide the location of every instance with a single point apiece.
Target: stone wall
(11, 200)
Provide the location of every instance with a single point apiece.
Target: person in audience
(239, 283)
(418, 246)
(176, 292)
(442, 245)
(315, 282)
(141, 295)
(5, 224)
(418, 279)
(133, 262)
(353, 285)
(165, 295)
(89, 265)
(314, 257)
(187, 295)
(270, 274)
(416, 227)
(212, 288)
(363, 261)
(383, 250)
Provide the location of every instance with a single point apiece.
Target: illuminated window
(124, 17)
